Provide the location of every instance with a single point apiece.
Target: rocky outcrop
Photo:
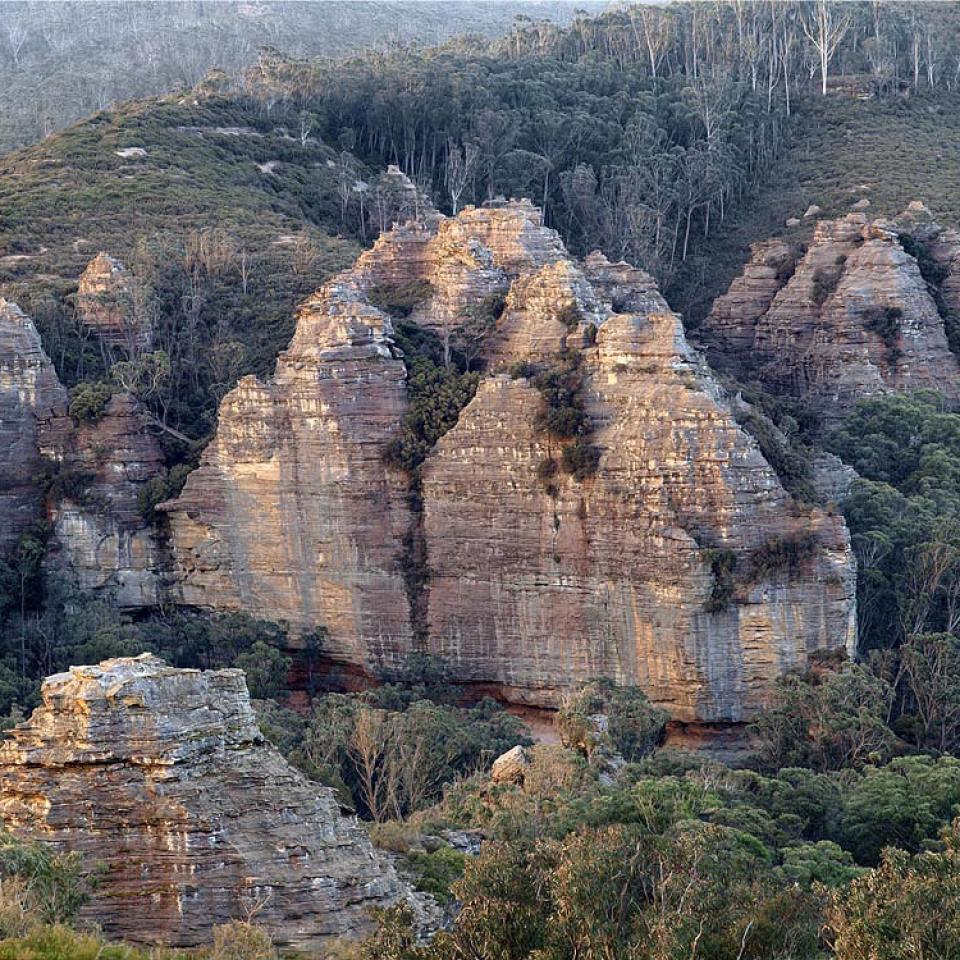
(734, 316)
(674, 559)
(162, 778)
(537, 586)
(106, 304)
(99, 531)
(292, 514)
(855, 317)
(29, 391)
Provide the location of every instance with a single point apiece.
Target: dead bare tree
(824, 29)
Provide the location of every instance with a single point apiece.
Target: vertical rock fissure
(415, 566)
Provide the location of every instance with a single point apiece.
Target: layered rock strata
(99, 531)
(679, 563)
(292, 514)
(29, 391)
(162, 778)
(539, 585)
(855, 317)
(106, 304)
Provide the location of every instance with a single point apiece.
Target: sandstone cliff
(106, 304)
(29, 390)
(99, 533)
(292, 514)
(535, 586)
(668, 556)
(852, 317)
(162, 777)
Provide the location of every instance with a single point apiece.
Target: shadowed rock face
(29, 391)
(854, 318)
(99, 534)
(532, 586)
(162, 777)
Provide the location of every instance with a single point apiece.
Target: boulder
(162, 780)
(510, 767)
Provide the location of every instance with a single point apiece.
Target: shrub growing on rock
(621, 719)
(400, 299)
(89, 400)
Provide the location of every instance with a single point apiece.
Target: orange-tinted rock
(855, 318)
(537, 589)
(106, 303)
(162, 780)
(292, 514)
(533, 584)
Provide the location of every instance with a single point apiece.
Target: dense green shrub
(89, 400)
(826, 722)
(436, 397)
(581, 459)
(266, 669)
(723, 565)
(53, 886)
(885, 322)
(903, 514)
(782, 555)
(825, 280)
(908, 907)
(389, 761)
(791, 461)
(630, 725)
(165, 487)
(563, 415)
(436, 871)
(570, 315)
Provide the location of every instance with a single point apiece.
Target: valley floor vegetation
(837, 839)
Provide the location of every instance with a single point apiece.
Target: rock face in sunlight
(162, 777)
(106, 303)
(29, 391)
(292, 514)
(658, 548)
(853, 316)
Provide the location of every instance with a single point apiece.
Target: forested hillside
(638, 131)
(675, 138)
(62, 61)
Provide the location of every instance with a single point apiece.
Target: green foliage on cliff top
(225, 224)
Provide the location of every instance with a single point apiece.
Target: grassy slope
(901, 151)
(64, 200)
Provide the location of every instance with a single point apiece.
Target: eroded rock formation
(676, 561)
(536, 585)
(99, 532)
(106, 303)
(292, 514)
(29, 391)
(853, 316)
(162, 777)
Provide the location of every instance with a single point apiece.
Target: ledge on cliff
(161, 776)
